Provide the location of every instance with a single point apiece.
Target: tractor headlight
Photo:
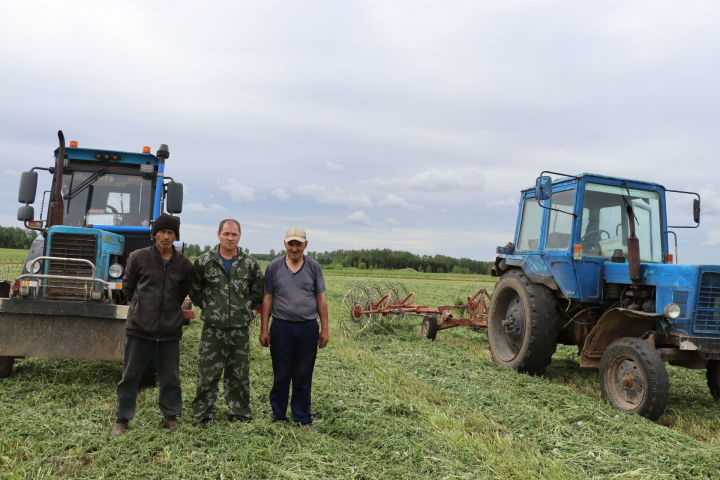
(672, 311)
(115, 270)
(33, 266)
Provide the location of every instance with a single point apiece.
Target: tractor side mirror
(543, 187)
(696, 210)
(28, 187)
(174, 197)
(26, 213)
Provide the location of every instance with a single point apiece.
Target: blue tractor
(68, 301)
(591, 265)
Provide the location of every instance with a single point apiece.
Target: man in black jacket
(157, 279)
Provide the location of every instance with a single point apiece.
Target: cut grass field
(388, 404)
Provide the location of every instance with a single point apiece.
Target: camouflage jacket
(227, 301)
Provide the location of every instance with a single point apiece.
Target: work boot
(239, 418)
(119, 428)
(170, 423)
(203, 422)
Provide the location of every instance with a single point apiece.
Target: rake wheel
(356, 300)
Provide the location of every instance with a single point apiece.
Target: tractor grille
(708, 306)
(70, 245)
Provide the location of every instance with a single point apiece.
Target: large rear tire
(633, 378)
(522, 324)
(6, 366)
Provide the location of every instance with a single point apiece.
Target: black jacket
(155, 294)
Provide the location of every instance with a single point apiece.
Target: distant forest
(16, 237)
(392, 260)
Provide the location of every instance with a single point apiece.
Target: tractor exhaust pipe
(57, 206)
(633, 244)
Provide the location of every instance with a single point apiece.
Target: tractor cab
(569, 231)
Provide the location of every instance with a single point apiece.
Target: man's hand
(323, 338)
(264, 338)
(265, 319)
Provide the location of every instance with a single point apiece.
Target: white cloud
(710, 200)
(330, 165)
(391, 220)
(196, 207)
(713, 238)
(358, 218)
(502, 203)
(10, 176)
(436, 180)
(281, 194)
(392, 200)
(239, 192)
(334, 196)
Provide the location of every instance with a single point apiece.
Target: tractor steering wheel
(589, 235)
(591, 241)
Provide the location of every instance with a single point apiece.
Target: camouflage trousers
(223, 351)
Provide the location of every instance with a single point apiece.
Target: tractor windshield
(109, 199)
(605, 225)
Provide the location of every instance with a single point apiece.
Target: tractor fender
(615, 323)
(532, 265)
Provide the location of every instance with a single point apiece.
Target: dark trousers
(139, 352)
(293, 349)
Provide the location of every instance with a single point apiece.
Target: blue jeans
(293, 349)
(139, 352)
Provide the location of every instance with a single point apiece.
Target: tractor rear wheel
(633, 378)
(713, 378)
(522, 324)
(6, 366)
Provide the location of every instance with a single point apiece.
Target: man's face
(164, 238)
(295, 249)
(229, 236)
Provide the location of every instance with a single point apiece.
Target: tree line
(392, 260)
(16, 237)
(397, 259)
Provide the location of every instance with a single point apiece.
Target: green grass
(388, 404)
(12, 254)
(11, 261)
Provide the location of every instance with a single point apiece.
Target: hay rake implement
(364, 305)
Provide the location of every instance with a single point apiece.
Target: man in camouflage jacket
(227, 284)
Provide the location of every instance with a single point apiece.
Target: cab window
(560, 222)
(529, 237)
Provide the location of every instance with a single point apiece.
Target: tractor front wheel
(522, 324)
(633, 378)
(713, 378)
(6, 366)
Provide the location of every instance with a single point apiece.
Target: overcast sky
(373, 124)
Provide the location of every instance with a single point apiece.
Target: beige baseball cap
(295, 233)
